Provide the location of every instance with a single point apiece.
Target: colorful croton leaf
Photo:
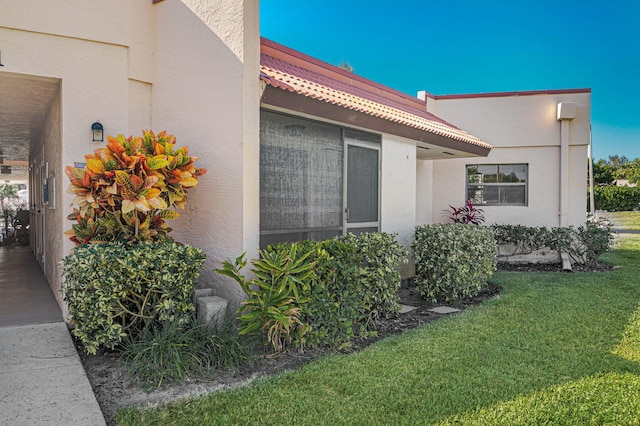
(128, 189)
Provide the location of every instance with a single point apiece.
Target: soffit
(24, 104)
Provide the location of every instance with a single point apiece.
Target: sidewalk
(42, 381)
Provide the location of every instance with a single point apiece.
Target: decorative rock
(201, 292)
(444, 310)
(406, 308)
(212, 310)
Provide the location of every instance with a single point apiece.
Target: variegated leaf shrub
(128, 189)
(114, 290)
(453, 261)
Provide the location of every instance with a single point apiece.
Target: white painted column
(566, 113)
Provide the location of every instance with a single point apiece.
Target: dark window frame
(480, 184)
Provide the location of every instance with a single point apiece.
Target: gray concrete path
(42, 381)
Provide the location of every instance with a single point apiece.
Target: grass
(554, 348)
(623, 220)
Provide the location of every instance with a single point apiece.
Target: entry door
(362, 170)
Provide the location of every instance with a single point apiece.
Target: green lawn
(623, 220)
(553, 348)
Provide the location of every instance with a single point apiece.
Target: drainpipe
(566, 113)
(592, 203)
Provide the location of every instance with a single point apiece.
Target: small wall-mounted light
(98, 132)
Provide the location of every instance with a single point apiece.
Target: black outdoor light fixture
(98, 132)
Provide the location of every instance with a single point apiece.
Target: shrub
(523, 239)
(335, 309)
(453, 261)
(357, 284)
(467, 214)
(380, 254)
(596, 237)
(320, 293)
(583, 244)
(273, 304)
(171, 352)
(114, 290)
(127, 190)
(616, 198)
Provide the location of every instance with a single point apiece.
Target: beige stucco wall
(206, 93)
(522, 129)
(398, 191)
(46, 155)
(93, 79)
(398, 188)
(189, 67)
(424, 192)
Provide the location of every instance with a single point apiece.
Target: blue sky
(471, 46)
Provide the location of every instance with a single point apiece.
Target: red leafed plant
(467, 214)
(128, 189)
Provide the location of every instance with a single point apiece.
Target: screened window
(498, 184)
(303, 188)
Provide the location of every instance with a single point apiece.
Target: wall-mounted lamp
(98, 132)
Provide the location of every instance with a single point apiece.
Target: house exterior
(295, 148)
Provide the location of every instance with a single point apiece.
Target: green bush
(357, 284)
(335, 309)
(380, 254)
(352, 283)
(114, 290)
(453, 261)
(584, 244)
(616, 198)
(172, 352)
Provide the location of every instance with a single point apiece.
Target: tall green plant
(272, 307)
(128, 189)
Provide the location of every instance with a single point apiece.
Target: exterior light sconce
(98, 132)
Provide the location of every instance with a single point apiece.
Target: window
(303, 188)
(498, 184)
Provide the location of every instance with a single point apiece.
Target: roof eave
(288, 100)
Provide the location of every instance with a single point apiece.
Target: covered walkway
(42, 381)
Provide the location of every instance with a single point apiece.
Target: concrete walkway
(42, 381)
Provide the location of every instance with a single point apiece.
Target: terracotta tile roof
(295, 72)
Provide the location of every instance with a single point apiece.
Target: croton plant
(128, 189)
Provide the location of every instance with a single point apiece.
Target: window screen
(301, 186)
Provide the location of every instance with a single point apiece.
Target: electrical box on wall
(567, 110)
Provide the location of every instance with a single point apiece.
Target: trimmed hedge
(616, 198)
(584, 244)
(357, 284)
(453, 261)
(114, 290)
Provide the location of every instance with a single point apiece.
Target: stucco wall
(398, 188)
(93, 87)
(398, 192)
(424, 192)
(189, 67)
(204, 93)
(47, 151)
(523, 129)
